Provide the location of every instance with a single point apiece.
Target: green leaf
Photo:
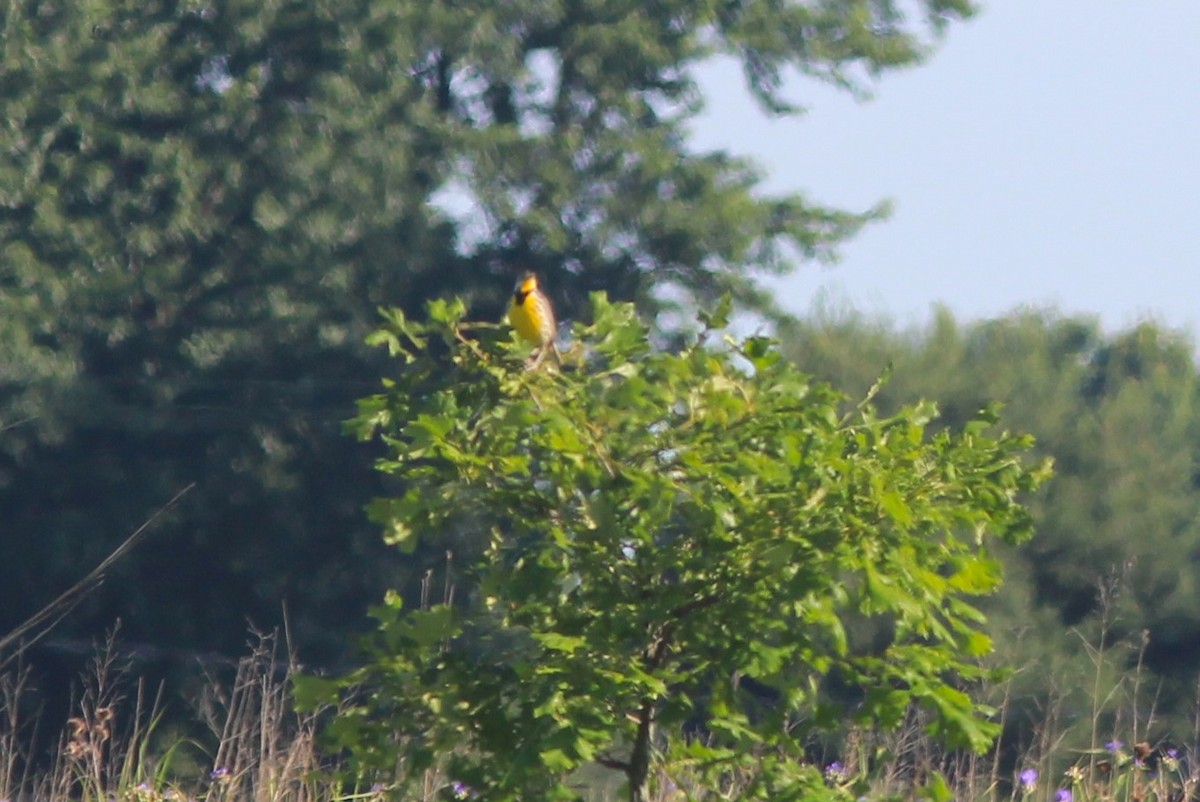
(977, 575)
(447, 312)
(778, 554)
(718, 318)
(427, 628)
(761, 352)
(559, 642)
(313, 693)
(936, 789)
(555, 760)
(895, 506)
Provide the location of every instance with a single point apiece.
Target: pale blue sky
(1048, 153)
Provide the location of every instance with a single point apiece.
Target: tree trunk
(639, 757)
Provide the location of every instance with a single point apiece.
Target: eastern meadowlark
(531, 313)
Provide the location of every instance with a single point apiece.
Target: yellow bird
(531, 313)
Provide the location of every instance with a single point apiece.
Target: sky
(1047, 154)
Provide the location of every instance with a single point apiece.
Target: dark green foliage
(647, 543)
(202, 205)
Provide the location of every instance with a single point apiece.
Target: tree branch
(613, 763)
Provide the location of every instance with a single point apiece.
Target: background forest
(202, 207)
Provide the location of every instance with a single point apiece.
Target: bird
(532, 315)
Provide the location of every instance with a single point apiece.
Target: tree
(645, 543)
(202, 205)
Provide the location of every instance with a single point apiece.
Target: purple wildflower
(1064, 795)
(219, 773)
(461, 790)
(1029, 779)
(1114, 746)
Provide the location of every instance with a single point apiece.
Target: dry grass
(255, 748)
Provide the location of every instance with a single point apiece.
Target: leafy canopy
(201, 205)
(650, 545)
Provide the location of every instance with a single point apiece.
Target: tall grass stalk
(114, 747)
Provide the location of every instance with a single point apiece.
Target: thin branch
(17, 423)
(613, 763)
(695, 605)
(43, 621)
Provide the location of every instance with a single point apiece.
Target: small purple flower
(461, 790)
(1114, 746)
(1173, 754)
(219, 773)
(1029, 779)
(835, 772)
(1064, 795)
